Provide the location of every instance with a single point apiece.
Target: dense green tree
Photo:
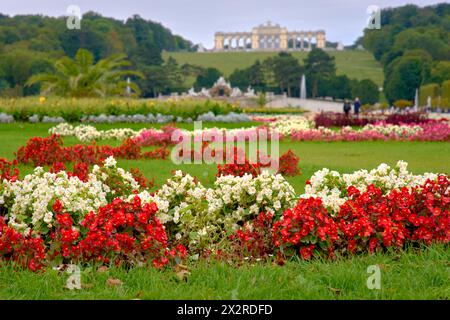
(174, 73)
(428, 39)
(287, 72)
(252, 76)
(47, 38)
(404, 78)
(154, 82)
(337, 87)
(379, 42)
(366, 90)
(91, 40)
(440, 72)
(207, 78)
(81, 77)
(19, 64)
(413, 46)
(147, 51)
(318, 65)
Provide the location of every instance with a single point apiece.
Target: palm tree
(80, 77)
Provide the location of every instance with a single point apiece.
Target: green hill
(355, 64)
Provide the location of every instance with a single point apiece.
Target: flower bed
(50, 150)
(338, 119)
(296, 127)
(106, 216)
(431, 131)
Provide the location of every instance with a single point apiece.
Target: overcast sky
(198, 20)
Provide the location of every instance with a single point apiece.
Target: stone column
(218, 42)
(309, 41)
(302, 41)
(283, 41)
(230, 42)
(255, 41)
(294, 42)
(321, 41)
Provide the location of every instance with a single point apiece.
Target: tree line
(282, 74)
(31, 44)
(413, 45)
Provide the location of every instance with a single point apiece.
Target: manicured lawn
(355, 64)
(415, 274)
(342, 156)
(419, 274)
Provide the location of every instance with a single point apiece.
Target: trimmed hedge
(72, 110)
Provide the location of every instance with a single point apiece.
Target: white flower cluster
(286, 124)
(206, 215)
(332, 186)
(390, 129)
(30, 200)
(87, 133)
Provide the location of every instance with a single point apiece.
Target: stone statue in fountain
(204, 92)
(250, 92)
(192, 92)
(236, 92)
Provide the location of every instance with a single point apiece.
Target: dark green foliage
(366, 90)
(413, 45)
(30, 44)
(207, 78)
(318, 66)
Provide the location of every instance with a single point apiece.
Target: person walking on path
(347, 108)
(357, 106)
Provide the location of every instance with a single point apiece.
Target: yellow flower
(41, 99)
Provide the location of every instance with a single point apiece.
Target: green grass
(341, 156)
(355, 64)
(423, 274)
(414, 274)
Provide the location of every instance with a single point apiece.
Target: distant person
(347, 107)
(357, 106)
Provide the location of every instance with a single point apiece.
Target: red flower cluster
(50, 150)
(120, 233)
(254, 240)
(24, 250)
(80, 170)
(306, 227)
(288, 164)
(239, 167)
(8, 170)
(141, 179)
(368, 221)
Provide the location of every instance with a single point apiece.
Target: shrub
(49, 150)
(26, 251)
(402, 104)
(429, 90)
(74, 110)
(120, 232)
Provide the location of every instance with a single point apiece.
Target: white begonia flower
(110, 162)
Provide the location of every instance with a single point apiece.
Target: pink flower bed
(431, 131)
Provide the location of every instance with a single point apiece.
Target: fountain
(303, 88)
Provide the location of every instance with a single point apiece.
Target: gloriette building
(269, 37)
